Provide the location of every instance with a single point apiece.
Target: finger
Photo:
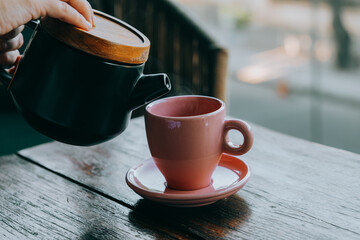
(66, 13)
(8, 58)
(93, 18)
(83, 7)
(12, 33)
(92, 15)
(12, 44)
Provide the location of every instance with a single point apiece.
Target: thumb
(67, 13)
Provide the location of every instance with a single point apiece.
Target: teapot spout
(148, 88)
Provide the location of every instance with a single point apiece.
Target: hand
(9, 43)
(15, 13)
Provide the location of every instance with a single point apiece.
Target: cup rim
(150, 105)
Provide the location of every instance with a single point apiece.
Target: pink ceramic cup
(186, 137)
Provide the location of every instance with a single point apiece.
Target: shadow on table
(211, 221)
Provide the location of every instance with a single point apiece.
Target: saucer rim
(179, 199)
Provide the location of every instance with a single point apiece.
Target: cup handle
(245, 129)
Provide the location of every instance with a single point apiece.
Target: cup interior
(185, 106)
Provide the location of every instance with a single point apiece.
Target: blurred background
(293, 64)
(293, 67)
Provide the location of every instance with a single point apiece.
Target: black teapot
(81, 87)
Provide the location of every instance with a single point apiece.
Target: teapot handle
(33, 24)
(5, 77)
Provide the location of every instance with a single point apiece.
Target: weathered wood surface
(38, 204)
(298, 189)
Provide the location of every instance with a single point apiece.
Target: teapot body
(71, 96)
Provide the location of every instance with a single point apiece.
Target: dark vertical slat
(149, 13)
(140, 14)
(134, 13)
(220, 58)
(149, 32)
(109, 6)
(161, 41)
(176, 56)
(97, 4)
(196, 76)
(204, 69)
(104, 6)
(168, 42)
(124, 4)
(154, 37)
(119, 8)
(186, 56)
(210, 71)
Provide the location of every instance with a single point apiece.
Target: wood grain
(111, 38)
(298, 189)
(37, 204)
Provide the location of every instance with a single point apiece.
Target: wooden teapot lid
(111, 38)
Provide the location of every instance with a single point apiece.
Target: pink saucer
(229, 177)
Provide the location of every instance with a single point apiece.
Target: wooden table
(298, 190)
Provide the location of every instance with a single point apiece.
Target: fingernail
(93, 20)
(89, 25)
